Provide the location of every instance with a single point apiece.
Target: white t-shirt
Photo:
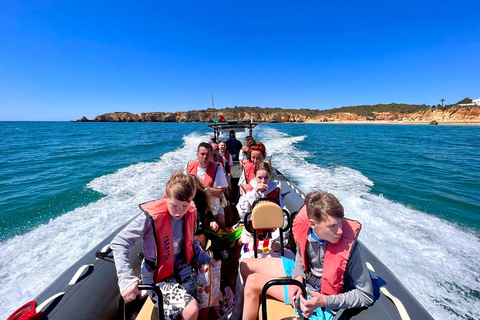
(220, 182)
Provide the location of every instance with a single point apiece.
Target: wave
(427, 254)
(56, 245)
(445, 278)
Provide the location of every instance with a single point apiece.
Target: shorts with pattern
(176, 297)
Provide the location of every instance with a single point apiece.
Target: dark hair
(321, 204)
(205, 145)
(202, 196)
(263, 166)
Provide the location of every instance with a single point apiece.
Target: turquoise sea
(65, 186)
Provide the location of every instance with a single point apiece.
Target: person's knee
(253, 284)
(244, 268)
(191, 310)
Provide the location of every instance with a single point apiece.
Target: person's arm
(219, 184)
(245, 202)
(199, 254)
(121, 245)
(362, 293)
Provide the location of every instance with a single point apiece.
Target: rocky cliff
(454, 114)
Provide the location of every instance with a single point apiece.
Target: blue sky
(61, 60)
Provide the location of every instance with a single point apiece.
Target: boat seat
(267, 215)
(277, 310)
(148, 311)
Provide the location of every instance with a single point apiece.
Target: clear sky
(61, 60)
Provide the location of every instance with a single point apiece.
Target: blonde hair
(180, 186)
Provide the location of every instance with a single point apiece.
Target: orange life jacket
(210, 173)
(336, 254)
(162, 227)
(225, 159)
(249, 170)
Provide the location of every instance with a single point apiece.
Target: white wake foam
(30, 262)
(443, 257)
(437, 261)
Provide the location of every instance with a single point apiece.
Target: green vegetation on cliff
(362, 110)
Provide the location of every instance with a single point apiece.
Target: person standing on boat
(168, 245)
(233, 145)
(328, 260)
(213, 176)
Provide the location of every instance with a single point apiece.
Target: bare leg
(253, 290)
(270, 267)
(191, 311)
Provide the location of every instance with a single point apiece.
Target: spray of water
(427, 254)
(437, 261)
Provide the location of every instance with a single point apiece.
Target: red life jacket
(162, 227)
(336, 255)
(273, 194)
(210, 173)
(225, 159)
(248, 169)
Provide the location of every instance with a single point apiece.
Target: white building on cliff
(474, 103)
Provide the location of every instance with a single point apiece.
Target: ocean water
(65, 186)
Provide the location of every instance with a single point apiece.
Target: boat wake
(30, 262)
(427, 254)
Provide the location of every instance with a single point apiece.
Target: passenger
(268, 241)
(257, 153)
(205, 217)
(171, 219)
(244, 153)
(227, 193)
(233, 145)
(260, 187)
(226, 157)
(320, 230)
(214, 178)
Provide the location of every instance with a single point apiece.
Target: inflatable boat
(89, 290)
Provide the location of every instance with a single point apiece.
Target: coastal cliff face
(455, 114)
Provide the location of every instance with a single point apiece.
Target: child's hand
(261, 187)
(214, 226)
(309, 306)
(131, 292)
(212, 261)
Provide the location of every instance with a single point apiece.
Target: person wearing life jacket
(260, 186)
(257, 153)
(213, 176)
(328, 260)
(243, 154)
(166, 229)
(224, 156)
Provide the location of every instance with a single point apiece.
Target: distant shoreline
(393, 122)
